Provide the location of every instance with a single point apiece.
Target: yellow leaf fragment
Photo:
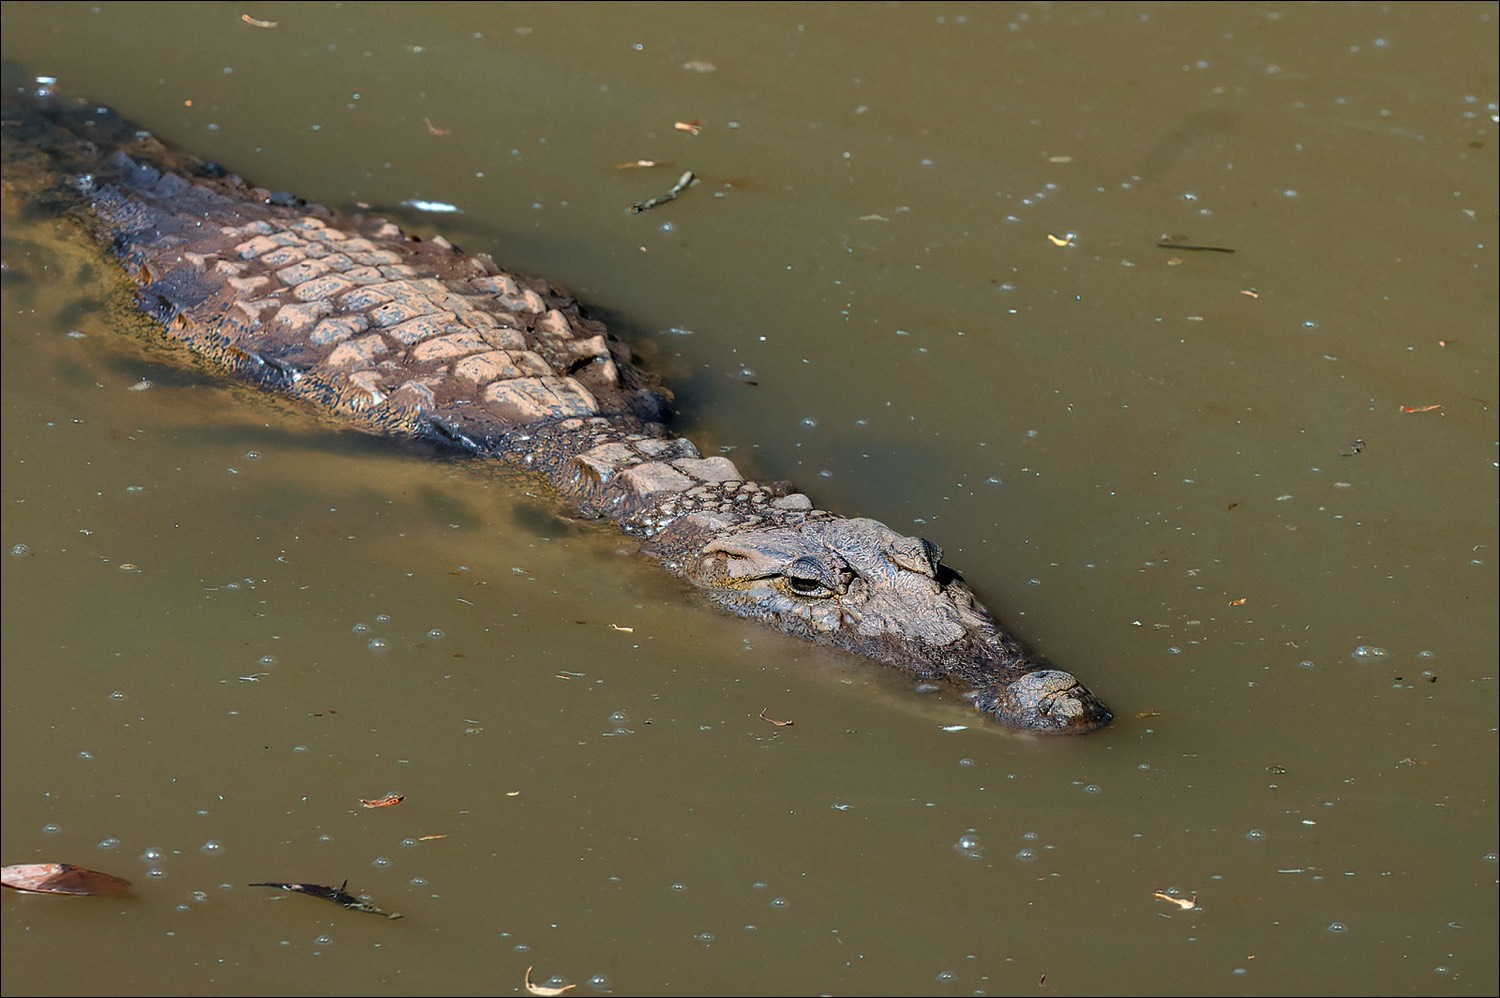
(1186, 904)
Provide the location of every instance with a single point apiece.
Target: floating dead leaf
(691, 127)
(1239, 602)
(435, 130)
(255, 23)
(389, 800)
(542, 989)
(1249, 293)
(430, 838)
(1421, 408)
(637, 164)
(772, 720)
(62, 878)
(1066, 240)
(619, 627)
(1185, 904)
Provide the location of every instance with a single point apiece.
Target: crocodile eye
(807, 587)
(810, 577)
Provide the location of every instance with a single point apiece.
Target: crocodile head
(858, 585)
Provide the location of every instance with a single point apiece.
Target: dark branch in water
(683, 183)
(338, 895)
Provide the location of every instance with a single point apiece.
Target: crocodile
(416, 338)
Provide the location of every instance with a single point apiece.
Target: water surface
(921, 277)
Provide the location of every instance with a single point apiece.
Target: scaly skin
(419, 339)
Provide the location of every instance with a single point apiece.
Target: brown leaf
(61, 878)
(389, 800)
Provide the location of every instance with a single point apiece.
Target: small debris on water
(257, 23)
(542, 989)
(1186, 904)
(389, 800)
(1192, 248)
(338, 895)
(683, 183)
(772, 720)
(691, 127)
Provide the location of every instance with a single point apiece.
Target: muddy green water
(921, 277)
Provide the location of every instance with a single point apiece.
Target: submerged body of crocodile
(419, 339)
